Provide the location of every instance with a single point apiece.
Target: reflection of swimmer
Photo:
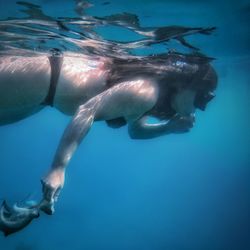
(119, 91)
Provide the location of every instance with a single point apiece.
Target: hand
(52, 185)
(181, 124)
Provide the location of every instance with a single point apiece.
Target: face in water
(202, 99)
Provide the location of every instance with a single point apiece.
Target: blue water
(178, 192)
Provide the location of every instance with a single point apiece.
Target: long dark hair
(172, 71)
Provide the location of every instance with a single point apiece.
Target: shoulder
(142, 95)
(129, 99)
(145, 89)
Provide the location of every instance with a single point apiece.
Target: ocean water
(178, 192)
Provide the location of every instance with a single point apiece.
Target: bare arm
(129, 100)
(140, 129)
(183, 121)
(73, 134)
(72, 137)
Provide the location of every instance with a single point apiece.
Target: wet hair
(205, 87)
(172, 72)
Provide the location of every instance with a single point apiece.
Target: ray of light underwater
(188, 191)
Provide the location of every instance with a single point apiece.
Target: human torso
(81, 78)
(25, 81)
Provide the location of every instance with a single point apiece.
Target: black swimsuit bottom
(56, 60)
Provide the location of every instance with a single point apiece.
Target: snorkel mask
(202, 99)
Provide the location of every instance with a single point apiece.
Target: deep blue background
(188, 191)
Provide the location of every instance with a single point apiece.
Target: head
(186, 92)
(205, 89)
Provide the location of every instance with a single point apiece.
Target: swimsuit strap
(56, 60)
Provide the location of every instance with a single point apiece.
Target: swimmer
(119, 91)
